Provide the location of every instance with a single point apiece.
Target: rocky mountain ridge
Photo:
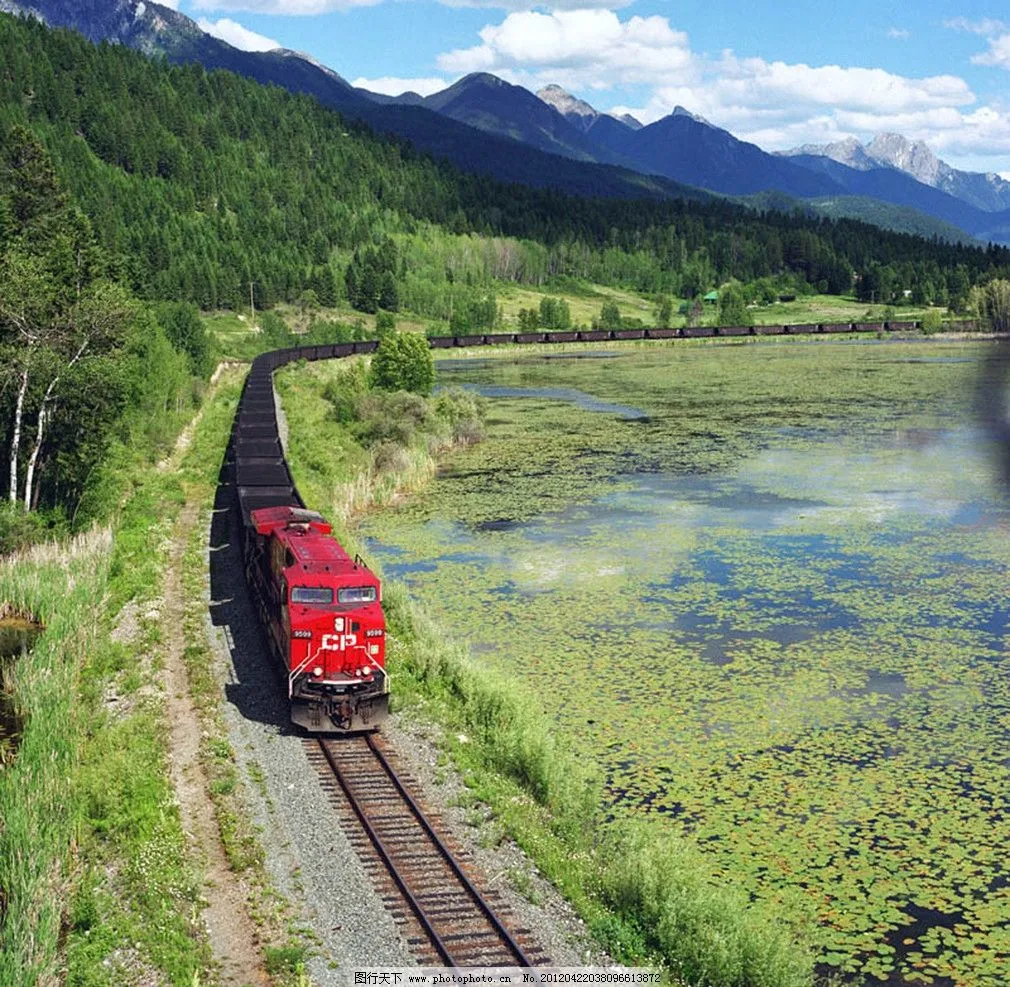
(484, 124)
(986, 191)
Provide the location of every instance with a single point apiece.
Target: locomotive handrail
(295, 672)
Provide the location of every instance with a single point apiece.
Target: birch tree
(55, 307)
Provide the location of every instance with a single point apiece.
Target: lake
(764, 587)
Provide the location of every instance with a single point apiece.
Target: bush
(345, 392)
(932, 322)
(20, 528)
(733, 309)
(384, 324)
(995, 304)
(326, 331)
(276, 333)
(383, 418)
(186, 332)
(610, 316)
(463, 412)
(403, 362)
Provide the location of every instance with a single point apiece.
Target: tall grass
(57, 585)
(93, 868)
(352, 450)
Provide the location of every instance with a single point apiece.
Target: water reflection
(16, 639)
(569, 394)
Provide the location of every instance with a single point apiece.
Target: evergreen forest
(201, 184)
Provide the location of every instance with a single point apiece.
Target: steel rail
(380, 847)
(458, 872)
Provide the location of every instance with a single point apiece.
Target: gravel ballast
(307, 854)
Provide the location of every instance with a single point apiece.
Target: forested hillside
(199, 183)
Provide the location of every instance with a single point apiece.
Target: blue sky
(779, 74)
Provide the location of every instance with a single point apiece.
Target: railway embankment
(642, 896)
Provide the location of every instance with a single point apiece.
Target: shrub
(932, 321)
(610, 316)
(382, 417)
(403, 362)
(348, 388)
(733, 309)
(995, 304)
(20, 528)
(276, 333)
(384, 324)
(186, 332)
(463, 412)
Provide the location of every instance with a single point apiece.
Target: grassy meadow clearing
(239, 337)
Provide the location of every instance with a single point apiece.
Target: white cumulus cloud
(393, 86)
(237, 35)
(775, 104)
(580, 47)
(898, 33)
(996, 33)
(998, 54)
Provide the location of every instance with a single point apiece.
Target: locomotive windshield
(312, 594)
(356, 594)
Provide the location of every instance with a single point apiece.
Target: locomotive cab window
(356, 594)
(311, 594)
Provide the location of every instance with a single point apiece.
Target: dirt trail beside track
(233, 936)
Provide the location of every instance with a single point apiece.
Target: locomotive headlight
(318, 671)
(358, 673)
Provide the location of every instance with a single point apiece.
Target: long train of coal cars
(341, 691)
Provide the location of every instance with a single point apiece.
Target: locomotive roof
(317, 555)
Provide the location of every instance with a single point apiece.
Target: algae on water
(772, 607)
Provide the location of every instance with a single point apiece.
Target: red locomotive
(323, 614)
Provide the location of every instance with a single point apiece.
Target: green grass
(93, 862)
(88, 774)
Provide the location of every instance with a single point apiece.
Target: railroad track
(428, 884)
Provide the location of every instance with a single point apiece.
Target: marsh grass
(37, 788)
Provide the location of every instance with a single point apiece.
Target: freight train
(321, 609)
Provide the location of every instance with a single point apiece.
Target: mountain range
(552, 139)
(984, 191)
